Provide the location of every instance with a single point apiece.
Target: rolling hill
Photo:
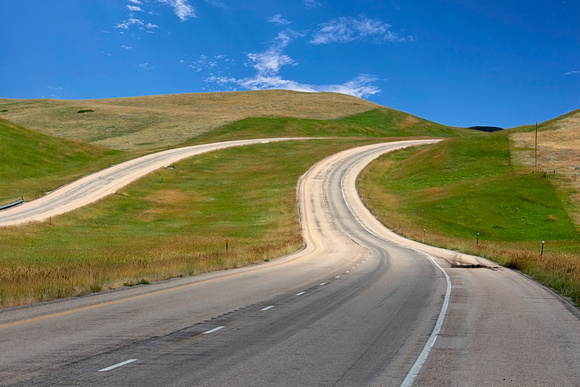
(154, 122)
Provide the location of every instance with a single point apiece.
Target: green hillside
(448, 193)
(33, 163)
(374, 123)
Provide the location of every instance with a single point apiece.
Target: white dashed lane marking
(118, 365)
(213, 330)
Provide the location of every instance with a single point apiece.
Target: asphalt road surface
(358, 306)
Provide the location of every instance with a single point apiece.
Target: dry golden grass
(152, 122)
(559, 151)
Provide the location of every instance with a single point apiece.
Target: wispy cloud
(278, 19)
(204, 62)
(130, 22)
(145, 66)
(135, 2)
(268, 64)
(348, 29)
(134, 8)
(181, 8)
(572, 72)
(361, 86)
(310, 4)
(126, 47)
(270, 61)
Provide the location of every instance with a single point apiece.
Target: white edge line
(118, 365)
(267, 308)
(412, 375)
(212, 330)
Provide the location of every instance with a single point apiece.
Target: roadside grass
(174, 222)
(374, 123)
(33, 163)
(447, 193)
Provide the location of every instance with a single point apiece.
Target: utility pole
(536, 148)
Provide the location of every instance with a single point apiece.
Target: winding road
(358, 305)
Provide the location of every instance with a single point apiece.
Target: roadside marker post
(226, 245)
(542, 251)
(477, 239)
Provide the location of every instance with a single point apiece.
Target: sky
(456, 62)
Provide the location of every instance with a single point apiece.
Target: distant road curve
(100, 184)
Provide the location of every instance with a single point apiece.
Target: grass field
(174, 222)
(161, 121)
(558, 152)
(33, 163)
(374, 123)
(447, 193)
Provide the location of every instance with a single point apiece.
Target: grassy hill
(154, 122)
(374, 123)
(558, 152)
(33, 163)
(465, 186)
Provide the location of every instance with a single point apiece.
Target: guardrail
(5, 206)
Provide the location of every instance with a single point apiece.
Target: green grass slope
(374, 123)
(33, 163)
(461, 187)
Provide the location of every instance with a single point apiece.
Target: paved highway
(358, 306)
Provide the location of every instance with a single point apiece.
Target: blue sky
(456, 62)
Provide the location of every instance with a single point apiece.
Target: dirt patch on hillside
(160, 121)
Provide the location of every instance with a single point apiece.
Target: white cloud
(126, 47)
(269, 63)
(129, 22)
(145, 66)
(361, 86)
(278, 19)
(151, 26)
(310, 4)
(183, 10)
(348, 29)
(134, 8)
(572, 72)
(135, 2)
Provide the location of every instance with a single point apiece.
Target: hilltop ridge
(151, 122)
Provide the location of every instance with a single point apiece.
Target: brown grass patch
(409, 120)
(558, 152)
